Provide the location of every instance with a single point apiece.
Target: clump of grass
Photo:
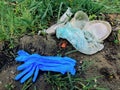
(111, 6)
(117, 37)
(20, 17)
(69, 82)
(27, 84)
(30, 16)
(9, 86)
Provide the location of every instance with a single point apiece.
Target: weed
(9, 86)
(92, 17)
(27, 84)
(69, 82)
(117, 37)
(111, 6)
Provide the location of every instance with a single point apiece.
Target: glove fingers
(72, 71)
(23, 66)
(22, 55)
(36, 74)
(27, 75)
(22, 73)
(22, 52)
(21, 58)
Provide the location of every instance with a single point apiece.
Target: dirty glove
(82, 40)
(63, 19)
(33, 63)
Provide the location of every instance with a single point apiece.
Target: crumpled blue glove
(35, 62)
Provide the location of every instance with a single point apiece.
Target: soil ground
(106, 63)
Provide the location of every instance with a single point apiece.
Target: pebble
(12, 72)
(0, 82)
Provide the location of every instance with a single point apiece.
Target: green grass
(19, 17)
(73, 82)
(9, 86)
(111, 6)
(27, 84)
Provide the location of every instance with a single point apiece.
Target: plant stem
(69, 77)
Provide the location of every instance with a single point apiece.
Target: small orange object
(63, 44)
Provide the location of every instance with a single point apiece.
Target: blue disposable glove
(33, 63)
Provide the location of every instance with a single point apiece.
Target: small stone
(0, 82)
(12, 72)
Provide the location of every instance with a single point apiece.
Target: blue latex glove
(33, 63)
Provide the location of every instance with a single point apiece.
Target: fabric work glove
(35, 62)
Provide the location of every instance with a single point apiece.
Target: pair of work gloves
(34, 63)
